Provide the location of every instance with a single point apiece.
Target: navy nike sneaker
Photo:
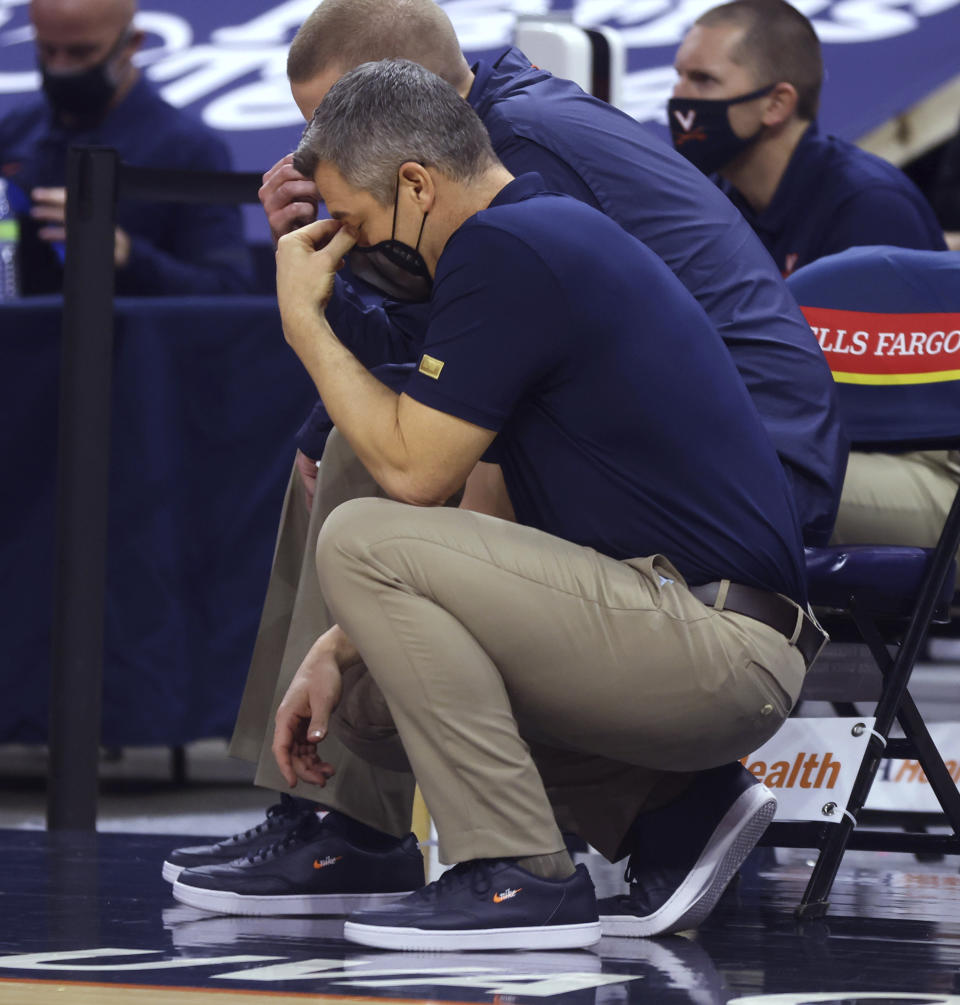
(485, 904)
(281, 818)
(328, 866)
(684, 854)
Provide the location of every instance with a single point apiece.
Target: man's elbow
(419, 490)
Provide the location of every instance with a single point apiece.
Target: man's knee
(345, 537)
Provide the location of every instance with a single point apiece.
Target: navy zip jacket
(583, 147)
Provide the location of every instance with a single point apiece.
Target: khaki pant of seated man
(897, 498)
(616, 711)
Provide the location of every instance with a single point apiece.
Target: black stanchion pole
(84, 449)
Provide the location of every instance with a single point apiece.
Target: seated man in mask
(744, 108)
(93, 94)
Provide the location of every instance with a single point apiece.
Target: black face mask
(393, 267)
(83, 95)
(700, 129)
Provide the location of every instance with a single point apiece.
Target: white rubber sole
(731, 842)
(527, 937)
(171, 871)
(227, 902)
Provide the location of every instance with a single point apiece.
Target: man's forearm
(418, 454)
(336, 642)
(363, 409)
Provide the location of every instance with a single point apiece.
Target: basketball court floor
(88, 918)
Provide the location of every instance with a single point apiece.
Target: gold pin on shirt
(430, 367)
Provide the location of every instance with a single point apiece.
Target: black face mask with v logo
(392, 267)
(700, 129)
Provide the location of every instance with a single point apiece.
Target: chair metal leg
(895, 704)
(815, 902)
(896, 672)
(178, 765)
(931, 761)
(894, 701)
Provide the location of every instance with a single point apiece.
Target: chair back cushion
(888, 321)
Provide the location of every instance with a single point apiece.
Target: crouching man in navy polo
(625, 616)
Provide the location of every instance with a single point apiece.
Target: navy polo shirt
(622, 422)
(583, 147)
(176, 248)
(835, 196)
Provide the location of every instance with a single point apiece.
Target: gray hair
(381, 115)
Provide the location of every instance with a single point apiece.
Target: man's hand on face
(50, 208)
(307, 261)
(303, 717)
(288, 198)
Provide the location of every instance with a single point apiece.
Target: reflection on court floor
(88, 918)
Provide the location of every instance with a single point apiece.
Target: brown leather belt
(769, 608)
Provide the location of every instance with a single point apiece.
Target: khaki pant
(294, 616)
(897, 498)
(624, 686)
(486, 637)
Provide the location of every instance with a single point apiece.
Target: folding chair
(886, 596)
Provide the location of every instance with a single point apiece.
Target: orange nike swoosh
(497, 899)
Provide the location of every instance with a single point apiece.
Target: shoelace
(629, 874)
(301, 833)
(636, 898)
(635, 894)
(476, 873)
(286, 808)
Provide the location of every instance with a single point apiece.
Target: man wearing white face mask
(744, 108)
(94, 94)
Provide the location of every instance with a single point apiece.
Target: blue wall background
(224, 61)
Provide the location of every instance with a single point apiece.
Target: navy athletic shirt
(583, 147)
(835, 196)
(622, 423)
(175, 248)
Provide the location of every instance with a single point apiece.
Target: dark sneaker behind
(485, 904)
(684, 854)
(281, 818)
(328, 866)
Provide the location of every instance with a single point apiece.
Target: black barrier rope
(161, 185)
(95, 181)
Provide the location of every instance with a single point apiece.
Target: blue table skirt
(206, 399)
